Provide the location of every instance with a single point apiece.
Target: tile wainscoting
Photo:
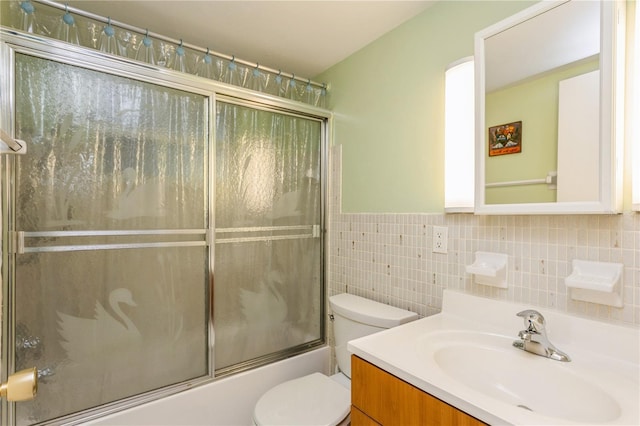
(388, 257)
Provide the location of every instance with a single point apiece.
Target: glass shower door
(268, 256)
(108, 265)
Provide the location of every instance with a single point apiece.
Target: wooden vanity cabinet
(379, 398)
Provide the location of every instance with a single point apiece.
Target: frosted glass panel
(268, 275)
(108, 325)
(267, 168)
(267, 298)
(111, 287)
(106, 152)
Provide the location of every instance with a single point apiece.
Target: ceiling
(565, 34)
(303, 37)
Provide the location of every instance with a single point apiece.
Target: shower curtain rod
(145, 31)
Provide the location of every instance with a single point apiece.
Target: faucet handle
(533, 320)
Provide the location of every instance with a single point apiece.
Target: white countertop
(604, 355)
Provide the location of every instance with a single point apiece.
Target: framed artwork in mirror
(505, 139)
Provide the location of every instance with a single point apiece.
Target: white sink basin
(488, 363)
(464, 356)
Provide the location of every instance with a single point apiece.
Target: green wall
(388, 100)
(4, 12)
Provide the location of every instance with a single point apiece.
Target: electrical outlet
(440, 239)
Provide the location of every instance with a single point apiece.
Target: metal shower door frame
(12, 42)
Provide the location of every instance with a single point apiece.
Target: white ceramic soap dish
(489, 269)
(596, 282)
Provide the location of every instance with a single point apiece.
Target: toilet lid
(310, 400)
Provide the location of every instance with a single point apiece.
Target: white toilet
(317, 399)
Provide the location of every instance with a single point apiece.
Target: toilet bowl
(317, 399)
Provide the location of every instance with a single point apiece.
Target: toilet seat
(310, 400)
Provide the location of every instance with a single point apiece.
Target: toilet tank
(355, 316)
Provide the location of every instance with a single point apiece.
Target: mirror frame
(612, 68)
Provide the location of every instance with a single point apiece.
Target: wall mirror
(549, 94)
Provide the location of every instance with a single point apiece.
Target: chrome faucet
(534, 338)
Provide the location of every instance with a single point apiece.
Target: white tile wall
(388, 258)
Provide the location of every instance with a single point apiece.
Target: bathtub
(228, 401)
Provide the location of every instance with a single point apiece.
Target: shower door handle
(304, 232)
(20, 386)
(19, 246)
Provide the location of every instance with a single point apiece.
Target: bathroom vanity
(461, 367)
(379, 398)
